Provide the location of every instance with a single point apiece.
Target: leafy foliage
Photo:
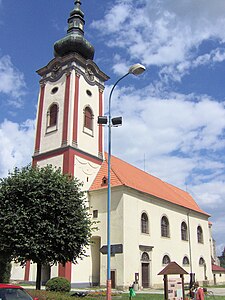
(43, 216)
(58, 284)
(222, 259)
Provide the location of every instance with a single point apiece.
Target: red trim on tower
(27, 271)
(61, 151)
(34, 162)
(66, 110)
(68, 168)
(68, 162)
(75, 110)
(39, 119)
(100, 128)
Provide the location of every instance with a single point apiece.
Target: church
(152, 222)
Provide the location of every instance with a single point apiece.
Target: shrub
(58, 284)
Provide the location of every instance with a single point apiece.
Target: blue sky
(174, 114)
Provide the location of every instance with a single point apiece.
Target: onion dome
(74, 41)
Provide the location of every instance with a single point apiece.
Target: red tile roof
(217, 268)
(125, 174)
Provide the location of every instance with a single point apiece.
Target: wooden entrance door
(145, 274)
(113, 279)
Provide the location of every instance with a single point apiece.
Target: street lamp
(136, 70)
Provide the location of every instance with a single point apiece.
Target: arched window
(145, 256)
(165, 232)
(88, 117)
(184, 233)
(166, 260)
(200, 234)
(52, 115)
(201, 261)
(186, 261)
(144, 223)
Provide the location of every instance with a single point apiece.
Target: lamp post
(136, 70)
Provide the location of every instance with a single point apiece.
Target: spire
(74, 41)
(76, 20)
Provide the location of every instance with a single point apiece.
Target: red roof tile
(217, 268)
(125, 174)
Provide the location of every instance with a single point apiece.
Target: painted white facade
(127, 208)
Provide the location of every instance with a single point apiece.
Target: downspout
(192, 275)
(189, 239)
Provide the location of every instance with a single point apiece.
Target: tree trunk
(5, 268)
(38, 278)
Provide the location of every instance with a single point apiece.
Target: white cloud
(163, 32)
(11, 81)
(171, 133)
(18, 141)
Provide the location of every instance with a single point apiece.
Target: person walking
(198, 292)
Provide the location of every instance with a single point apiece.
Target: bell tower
(70, 100)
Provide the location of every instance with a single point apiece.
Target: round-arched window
(144, 223)
(145, 256)
(166, 260)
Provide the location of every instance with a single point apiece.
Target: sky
(173, 114)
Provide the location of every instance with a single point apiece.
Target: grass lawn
(43, 295)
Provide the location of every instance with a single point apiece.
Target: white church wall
(173, 246)
(87, 140)
(55, 161)
(47, 141)
(86, 171)
(98, 201)
(17, 272)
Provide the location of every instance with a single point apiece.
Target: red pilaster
(27, 271)
(66, 110)
(68, 168)
(65, 271)
(68, 162)
(100, 128)
(75, 110)
(39, 119)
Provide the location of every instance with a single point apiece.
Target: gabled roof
(172, 268)
(124, 174)
(216, 268)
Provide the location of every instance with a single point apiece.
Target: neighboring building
(218, 274)
(152, 222)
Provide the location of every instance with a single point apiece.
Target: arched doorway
(145, 270)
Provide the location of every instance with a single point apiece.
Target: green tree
(222, 259)
(43, 217)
